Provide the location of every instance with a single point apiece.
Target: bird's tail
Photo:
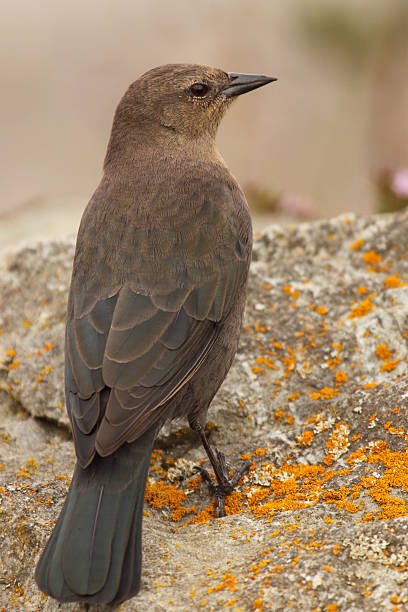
(94, 553)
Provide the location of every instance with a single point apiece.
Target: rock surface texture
(317, 399)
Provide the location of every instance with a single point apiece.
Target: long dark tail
(94, 553)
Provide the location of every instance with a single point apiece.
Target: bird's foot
(225, 484)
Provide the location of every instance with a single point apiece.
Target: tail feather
(94, 552)
(131, 570)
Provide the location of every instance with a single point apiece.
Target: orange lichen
(294, 396)
(204, 516)
(14, 364)
(160, 494)
(395, 475)
(332, 363)
(228, 582)
(338, 441)
(255, 568)
(392, 282)
(234, 503)
(305, 438)
(260, 328)
(277, 569)
(383, 352)
(324, 393)
(328, 459)
(294, 293)
(388, 366)
(289, 362)
(262, 360)
(246, 456)
(396, 431)
(357, 456)
(194, 482)
(372, 257)
(362, 309)
(340, 377)
(357, 244)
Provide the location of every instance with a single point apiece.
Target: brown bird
(154, 317)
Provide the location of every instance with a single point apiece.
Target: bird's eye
(199, 90)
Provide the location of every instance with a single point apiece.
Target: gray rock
(317, 395)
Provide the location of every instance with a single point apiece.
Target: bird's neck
(130, 150)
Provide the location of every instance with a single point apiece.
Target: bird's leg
(225, 485)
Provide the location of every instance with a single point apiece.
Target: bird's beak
(241, 83)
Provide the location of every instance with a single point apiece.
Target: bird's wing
(130, 353)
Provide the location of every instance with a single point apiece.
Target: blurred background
(330, 136)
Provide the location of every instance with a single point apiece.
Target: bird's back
(172, 224)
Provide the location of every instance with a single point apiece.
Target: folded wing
(131, 353)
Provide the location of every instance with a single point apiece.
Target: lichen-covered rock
(316, 397)
(33, 299)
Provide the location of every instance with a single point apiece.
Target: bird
(154, 315)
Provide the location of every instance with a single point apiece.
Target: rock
(316, 398)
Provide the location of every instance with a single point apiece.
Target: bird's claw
(225, 485)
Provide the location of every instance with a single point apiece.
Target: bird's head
(184, 99)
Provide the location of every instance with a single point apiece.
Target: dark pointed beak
(241, 83)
